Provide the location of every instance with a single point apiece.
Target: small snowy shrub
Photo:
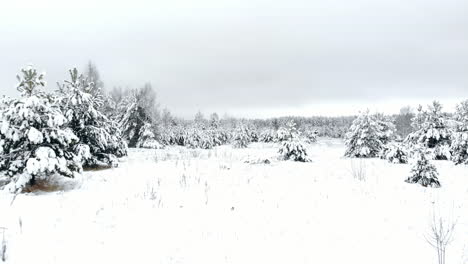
(423, 172)
(150, 144)
(293, 149)
(395, 153)
(34, 140)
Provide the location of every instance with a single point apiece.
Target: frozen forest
(80, 157)
(234, 132)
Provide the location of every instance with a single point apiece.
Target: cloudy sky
(250, 58)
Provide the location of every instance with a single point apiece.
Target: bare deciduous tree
(3, 246)
(403, 121)
(92, 73)
(359, 170)
(440, 235)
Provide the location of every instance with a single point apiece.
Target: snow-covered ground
(211, 206)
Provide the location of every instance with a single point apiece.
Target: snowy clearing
(228, 205)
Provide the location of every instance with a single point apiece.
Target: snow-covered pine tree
(363, 139)
(34, 140)
(311, 135)
(218, 136)
(292, 148)
(253, 133)
(107, 103)
(282, 135)
(147, 138)
(113, 103)
(459, 147)
(241, 137)
(387, 128)
(191, 138)
(423, 172)
(197, 138)
(214, 121)
(394, 153)
(168, 136)
(418, 120)
(129, 120)
(267, 136)
(288, 132)
(200, 121)
(138, 111)
(432, 131)
(96, 132)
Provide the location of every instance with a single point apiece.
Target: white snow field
(209, 206)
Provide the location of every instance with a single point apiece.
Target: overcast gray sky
(250, 58)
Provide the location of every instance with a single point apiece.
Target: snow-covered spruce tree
(423, 172)
(199, 120)
(166, 136)
(191, 137)
(218, 136)
(311, 135)
(387, 128)
(267, 136)
(282, 134)
(363, 139)
(214, 121)
(197, 138)
(177, 135)
(432, 131)
(292, 148)
(34, 140)
(223, 135)
(114, 103)
(287, 132)
(394, 153)
(97, 134)
(147, 138)
(459, 146)
(138, 111)
(253, 134)
(241, 137)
